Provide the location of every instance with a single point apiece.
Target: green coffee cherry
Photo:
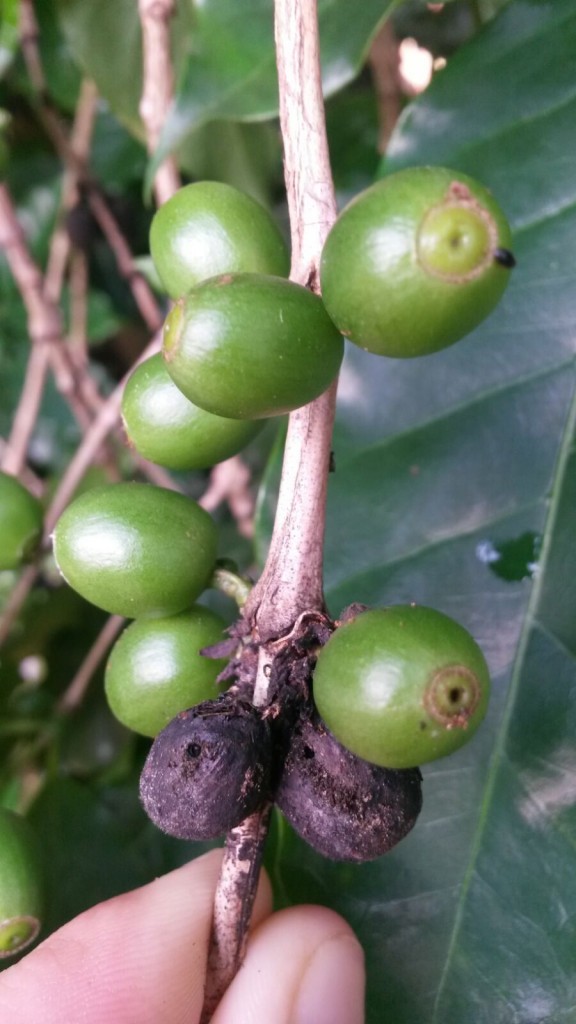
(401, 686)
(416, 262)
(20, 884)
(247, 346)
(20, 522)
(155, 670)
(209, 228)
(165, 427)
(136, 550)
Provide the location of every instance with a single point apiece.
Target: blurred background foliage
(455, 478)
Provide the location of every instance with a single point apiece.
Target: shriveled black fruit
(208, 769)
(345, 808)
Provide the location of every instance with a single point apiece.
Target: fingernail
(332, 988)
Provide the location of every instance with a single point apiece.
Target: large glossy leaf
(456, 486)
(232, 71)
(223, 53)
(9, 12)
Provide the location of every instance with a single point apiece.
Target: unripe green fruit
(136, 550)
(20, 522)
(20, 884)
(416, 262)
(247, 346)
(209, 228)
(155, 670)
(165, 427)
(401, 686)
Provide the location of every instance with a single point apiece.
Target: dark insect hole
(193, 750)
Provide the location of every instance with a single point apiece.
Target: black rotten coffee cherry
(344, 807)
(208, 769)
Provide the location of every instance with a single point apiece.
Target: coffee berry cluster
(411, 265)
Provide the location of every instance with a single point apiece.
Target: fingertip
(303, 965)
(331, 989)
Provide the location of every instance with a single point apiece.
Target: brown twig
(157, 87)
(239, 874)
(143, 296)
(40, 296)
(105, 421)
(75, 691)
(48, 345)
(141, 291)
(29, 401)
(18, 595)
(385, 67)
(30, 480)
(229, 481)
(80, 141)
(292, 578)
(44, 328)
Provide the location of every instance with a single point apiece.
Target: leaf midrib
(499, 749)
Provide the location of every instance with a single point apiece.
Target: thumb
(139, 958)
(303, 966)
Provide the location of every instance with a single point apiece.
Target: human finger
(136, 959)
(303, 965)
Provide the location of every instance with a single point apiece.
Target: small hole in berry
(308, 752)
(452, 695)
(193, 750)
